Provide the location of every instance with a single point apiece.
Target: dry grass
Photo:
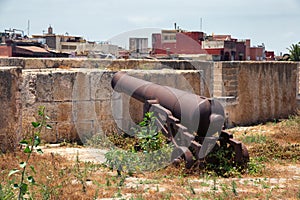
(273, 146)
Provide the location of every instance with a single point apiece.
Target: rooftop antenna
(28, 27)
(201, 24)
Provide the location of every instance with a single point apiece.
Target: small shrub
(255, 167)
(149, 139)
(148, 152)
(221, 162)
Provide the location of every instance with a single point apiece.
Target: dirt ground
(68, 172)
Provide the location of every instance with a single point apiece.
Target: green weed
(254, 138)
(255, 166)
(221, 163)
(150, 152)
(30, 145)
(6, 192)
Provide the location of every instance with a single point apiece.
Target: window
(169, 37)
(68, 47)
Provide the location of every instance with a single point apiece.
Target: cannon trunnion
(194, 124)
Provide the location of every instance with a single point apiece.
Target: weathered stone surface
(44, 87)
(103, 110)
(19, 62)
(85, 130)
(66, 131)
(65, 112)
(10, 103)
(63, 83)
(82, 86)
(83, 110)
(265, 92)
(100, 85)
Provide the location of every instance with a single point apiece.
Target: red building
(14, 44)
(219, 47)
(224, 47)
(177, 42)
(254, 53)
(270, 55)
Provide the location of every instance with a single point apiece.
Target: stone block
(66, 132)
(28, 92)
(103, 110)
(82, 86)
(83, 110)
(64, 112)
(63, 83)
(85, 130)
(11, 105)
(192, 81)
(101, 85)
(44, 87)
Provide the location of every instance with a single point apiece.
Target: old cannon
(194, 124)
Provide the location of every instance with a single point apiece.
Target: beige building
(74, 45)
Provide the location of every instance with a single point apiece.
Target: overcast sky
(276, 23)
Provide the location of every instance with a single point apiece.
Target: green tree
(294, 52)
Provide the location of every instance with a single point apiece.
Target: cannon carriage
(194, 124)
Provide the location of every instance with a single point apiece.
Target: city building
(224, 48)
(13, 43)
(75, 45)
(256, 53)
(270, 55)
(177, 42)
(138, 47)
(198, 45)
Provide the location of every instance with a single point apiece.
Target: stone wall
(10, 112)
(263, 90)
(72, 99)
(78, 95)
(79, 101)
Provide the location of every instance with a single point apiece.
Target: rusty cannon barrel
(199, 114)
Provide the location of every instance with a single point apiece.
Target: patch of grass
(254, 138)
(255, 167)
(221, 163)
(148, 152)
(6, 192)
(120, 140)
(272, 150)
(288, 130)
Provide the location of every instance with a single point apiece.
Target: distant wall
(264, 90)
(78, 95)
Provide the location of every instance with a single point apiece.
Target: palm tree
(294, 52)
